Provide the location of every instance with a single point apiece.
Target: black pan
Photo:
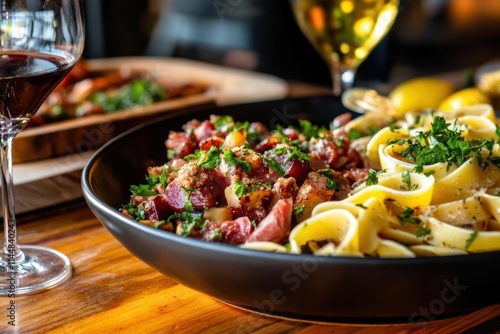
(298, 286)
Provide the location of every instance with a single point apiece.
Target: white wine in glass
(40, 41)
(344, 32)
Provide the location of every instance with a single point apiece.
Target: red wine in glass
(26, 79)
(40, 41)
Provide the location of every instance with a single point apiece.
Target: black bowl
(297, 286)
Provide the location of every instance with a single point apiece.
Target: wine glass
(40, 41)
(344, 32)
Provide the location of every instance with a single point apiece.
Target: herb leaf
(470, 240)
(373, 177)
(330, 182)
(422, 232)
(239, 189)
(210, 160)
(298, 211)
(233, 160)
(444, 143)
(407, 216)
(275, 165)
(405, 176)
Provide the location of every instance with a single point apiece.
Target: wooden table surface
(111, 291)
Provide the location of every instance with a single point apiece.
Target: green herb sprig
(152, 181)
(444, 143)
(233, 160)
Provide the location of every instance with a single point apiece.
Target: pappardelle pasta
(433, 189)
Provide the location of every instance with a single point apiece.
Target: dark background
(428, 37)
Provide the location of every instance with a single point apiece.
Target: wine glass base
(42, 268)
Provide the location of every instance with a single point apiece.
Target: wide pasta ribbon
(350, 229)
(392, 186)
(479, 212)
(452, 183)
(447, 235)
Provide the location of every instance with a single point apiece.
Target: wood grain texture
(111, 291)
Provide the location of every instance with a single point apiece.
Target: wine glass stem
(342, 79)
(12, 252)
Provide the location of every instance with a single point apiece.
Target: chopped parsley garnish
(310, 130)
(222, 122)
(171, 154)
(239, 189)
(254, 137)
(361, 206)
(140, 213)
(142, 190)
(233, 160)
(136, 211)
(131, 209)
(429, 173)
(405, 176)
(422, 232)
(441, 144)
(330, 182)
(354, 134)
(210, 159)
(193, 156)
(241, 126)
(217, 235)
(152, 181)
(394, 127)
(470, 240)
(188, 221)
(293, 153)
(296, 153)
(298, 211)
(406, 216)
(372, 178)
(495, 161)
(138, 92)
(275, 165)
(188, 205)
(340, 141)
(280, 150)
(278, 133)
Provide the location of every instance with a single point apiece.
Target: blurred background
(429, 36)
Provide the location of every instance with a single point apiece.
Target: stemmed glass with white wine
(40, 41)
(344, 32)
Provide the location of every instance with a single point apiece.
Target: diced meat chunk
(276, 226)
(233, 232)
